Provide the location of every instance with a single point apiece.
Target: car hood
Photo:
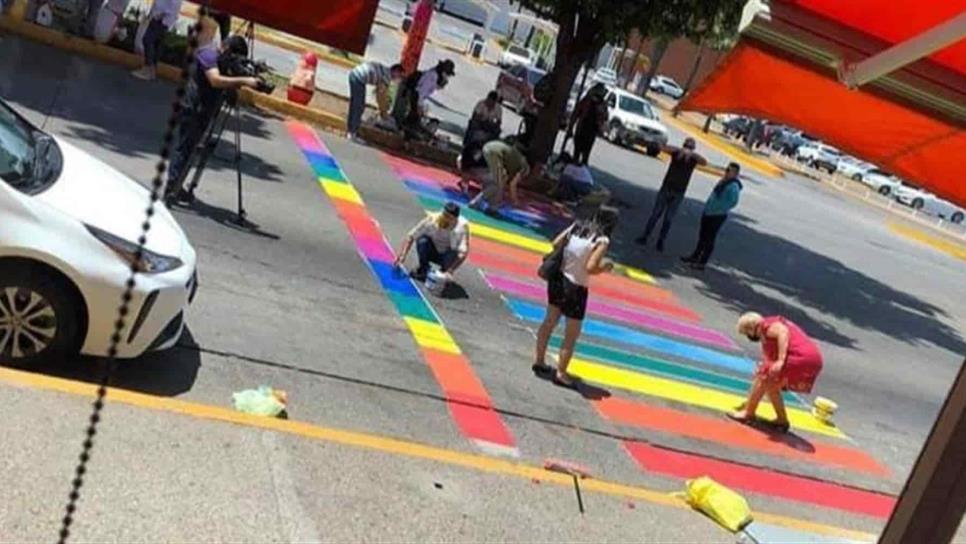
(96, 194)
(641, 121)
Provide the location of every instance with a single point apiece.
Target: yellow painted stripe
(540, 246)
(635, 274)
(393, 446)
(342, 191)
(690, 394)
(431, 335)
(935, 242)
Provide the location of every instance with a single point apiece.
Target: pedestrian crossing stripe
(431, 335)
(342, 191)
(693, 395)
(635, 274)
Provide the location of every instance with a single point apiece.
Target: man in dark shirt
(669, 197)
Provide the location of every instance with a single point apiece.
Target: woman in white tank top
(583, 256)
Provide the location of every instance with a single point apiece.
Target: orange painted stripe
(496, 262)
(454, 374)
(653, 418)
(603, 281)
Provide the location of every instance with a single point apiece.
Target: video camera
(234, 62)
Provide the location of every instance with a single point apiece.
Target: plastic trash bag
(721, 504)
(263, 401)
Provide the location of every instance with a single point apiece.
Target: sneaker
(355, 138)
(145, 73)
(417, 275)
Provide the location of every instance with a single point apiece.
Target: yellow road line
(635, 273)
(392, 446)
(947, 247)
(690, 394)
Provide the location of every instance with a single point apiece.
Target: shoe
(188, 197)
(417, 275)
(145, 73)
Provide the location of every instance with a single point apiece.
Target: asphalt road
(292, 305)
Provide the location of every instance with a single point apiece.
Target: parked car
(66, 252)
(516, 54)
(666, 86)
(881, 181)
(819, 155)
(927, 202)
(607, 76)
(853, 168)
(787, 141)
(634, 121)
(515, 85)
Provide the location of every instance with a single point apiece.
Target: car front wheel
(917, 204)
(856, 177)
(653, 150)
(884, 190)
(40, 316)
(957, 218)
(614, 134)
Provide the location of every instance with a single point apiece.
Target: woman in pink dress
(790, 361)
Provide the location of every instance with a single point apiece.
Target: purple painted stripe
(618, 313)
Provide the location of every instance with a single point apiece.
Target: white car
(515, 54)
(666, 86)
(632, 120)
(607, 76)
(819, 155)
(881, 181)
(929, 203)
(853, 168)
(67, 247)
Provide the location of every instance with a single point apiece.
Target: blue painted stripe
(616, 333)
(393, 278)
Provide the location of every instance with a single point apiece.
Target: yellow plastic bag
(721, 504)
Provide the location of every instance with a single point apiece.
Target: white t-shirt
(444, 239)
(577, 254)
(428, 84)
(580, 174)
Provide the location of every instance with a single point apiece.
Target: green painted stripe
(650, 365)
(473, 216)
(330, 173)
(412, 307)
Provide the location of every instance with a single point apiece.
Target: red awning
(910, 123)
(343, 24)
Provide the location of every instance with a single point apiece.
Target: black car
(738, 127)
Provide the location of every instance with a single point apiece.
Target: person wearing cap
(669, 198)
(790, 361)
(369, 73)
(441, 238)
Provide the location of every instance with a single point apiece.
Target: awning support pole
(904, 53)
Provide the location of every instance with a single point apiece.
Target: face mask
(755, 337)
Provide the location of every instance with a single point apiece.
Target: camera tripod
(229, 112)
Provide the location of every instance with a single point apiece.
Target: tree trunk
(575, 44)
(694, 69)
(660, 47)
(637, 58)
(707, 123)
(580, 93)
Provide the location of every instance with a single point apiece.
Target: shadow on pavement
(164, 373)
(750, 264)
(223, 216)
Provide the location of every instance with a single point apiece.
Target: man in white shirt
(162, 18)
(442, 238)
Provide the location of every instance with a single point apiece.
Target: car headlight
(149, 261)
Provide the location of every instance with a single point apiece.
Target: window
(30, 160)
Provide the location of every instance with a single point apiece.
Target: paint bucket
(436, 280)
(823, 409)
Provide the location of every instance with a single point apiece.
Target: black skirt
(568, 296)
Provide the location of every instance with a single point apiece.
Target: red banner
(343, 24)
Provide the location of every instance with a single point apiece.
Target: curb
(104, 53)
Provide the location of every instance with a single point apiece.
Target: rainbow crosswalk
(674, 376)
(469, 403)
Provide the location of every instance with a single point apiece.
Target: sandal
(564, 381)
(541, 368)
(747, 420)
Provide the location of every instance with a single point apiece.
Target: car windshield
(533, 76)
(519, 51)
(637, 106)
(30, 161)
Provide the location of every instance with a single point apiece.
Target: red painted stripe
(495, 262)
(608, 281)
(679, 423)
(755, 480)
(468, 401)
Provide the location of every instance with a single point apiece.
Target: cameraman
(203, 98)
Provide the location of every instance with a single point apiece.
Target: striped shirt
(372, 73)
